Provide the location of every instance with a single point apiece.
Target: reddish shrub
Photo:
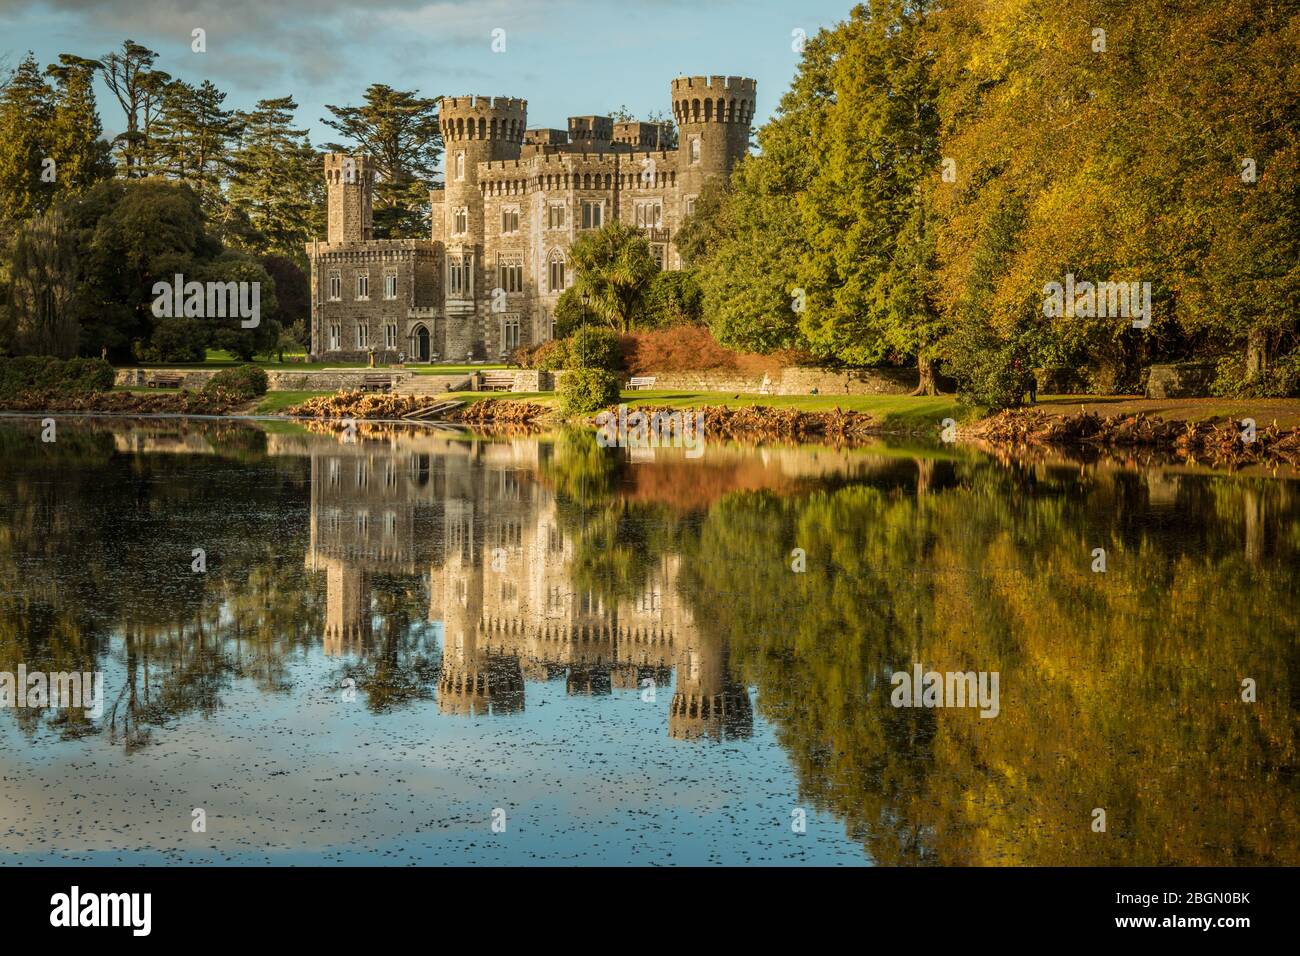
(686, 348)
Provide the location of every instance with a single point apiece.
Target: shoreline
(1216, 440)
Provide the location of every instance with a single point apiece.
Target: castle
(487, 279)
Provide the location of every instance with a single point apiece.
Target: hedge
(243, 382)
(38, 373)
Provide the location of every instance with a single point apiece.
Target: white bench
(498, 381)
(636, 384)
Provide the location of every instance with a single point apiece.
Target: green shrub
(585, 390)
(29, 373)
(1282, 380)
(243, 382)
(551, 356)
(594, 347)
(179, 340)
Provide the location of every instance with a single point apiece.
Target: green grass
(273, 403)
(894, 409)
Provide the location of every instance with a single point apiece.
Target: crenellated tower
(713, 116)
(475, 129)
(349, 183)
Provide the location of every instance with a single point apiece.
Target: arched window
(555, 272)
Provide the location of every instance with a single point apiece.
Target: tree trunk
(1256, 353)
(925, 369)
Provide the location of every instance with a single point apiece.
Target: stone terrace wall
(324, 380)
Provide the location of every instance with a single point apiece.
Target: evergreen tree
(192, 139)
(139, 88)
(77, 143)
(27, 182)
(399, 130)
(277, 181)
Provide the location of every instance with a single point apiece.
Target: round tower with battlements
(475, 129)
(713, 114)
(349, 185)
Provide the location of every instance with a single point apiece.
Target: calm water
(400, 640)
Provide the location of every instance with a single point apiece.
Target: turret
(349, 183)
(713, 115)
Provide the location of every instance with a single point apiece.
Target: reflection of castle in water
(475, 515)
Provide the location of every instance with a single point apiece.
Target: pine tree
(78, 146)
(26, 144)
(192, 138)
(399, 130)
(277, 182)
(138, 87)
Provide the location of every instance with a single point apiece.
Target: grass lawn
(895, 409)
(273, 403)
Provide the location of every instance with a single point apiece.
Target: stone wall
(795, 381)
(323, 380)
(1183, 380)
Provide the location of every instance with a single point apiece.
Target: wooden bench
(377, 383)
(165, 380)
(498, 381)
(639, 383)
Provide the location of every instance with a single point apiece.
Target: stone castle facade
(487, 279)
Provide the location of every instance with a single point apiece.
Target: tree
(673, 298)
(867, 268)
(748, 245)
(399, 131)
(614, 267)
(191, 139)
(131, 235)
(82, 157)
(139, 89)
(43, 284)
(277, 182)
(26, 116)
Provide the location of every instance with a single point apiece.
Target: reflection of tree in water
(399, 663)
(110, 541)
(1119, 691)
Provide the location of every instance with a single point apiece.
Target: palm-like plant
(614, 267)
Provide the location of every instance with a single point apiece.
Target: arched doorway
(420, 344)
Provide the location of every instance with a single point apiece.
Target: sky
(565, 57)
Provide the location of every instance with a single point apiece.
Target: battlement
(714, 99)
(591, 129)
(347, 168)
(474, 103)
(483, 117)
(715, 85)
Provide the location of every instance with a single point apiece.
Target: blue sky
(566, 57)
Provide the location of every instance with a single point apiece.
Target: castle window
(510, 273)
(390, 283)
(557, 272)
(363, 285)
(657, 253)
(690, 205)
(460, 164)
(462, 221)
(363, 336)
(509, 332)
(459, 275)
(510, 219)
(555, 216)
(336, 285)
(591, 214)
(695, 150)
(390, 336)
(648, 214)
(336, 332)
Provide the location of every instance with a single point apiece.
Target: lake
(413, 647)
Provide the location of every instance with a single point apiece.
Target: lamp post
(586, 297)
